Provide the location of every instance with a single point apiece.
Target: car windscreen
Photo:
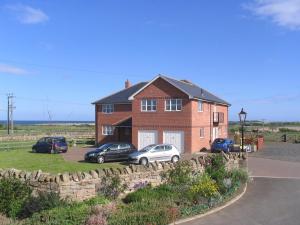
(147, 148)
(59, 140)
(105, 146)
(219, 141)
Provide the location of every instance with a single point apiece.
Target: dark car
(51, 145)
(110, 152)
(222, 145)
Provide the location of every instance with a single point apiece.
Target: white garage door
(175, 138)
(147, 137)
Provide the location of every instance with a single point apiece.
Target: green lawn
(25, 160)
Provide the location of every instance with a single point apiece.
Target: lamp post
(242, 116)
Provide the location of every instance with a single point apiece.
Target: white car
(152, 153)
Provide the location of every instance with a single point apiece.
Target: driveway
(266, 202)
(279, 151)
(273, 197)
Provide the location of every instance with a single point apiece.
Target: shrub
(71, 214)
(40, 202)
(162, 192)
(13, 195)
(216, 170)
(100, 213)
(238, 176)
(141, 213)
(181, 174)
(112, 187)
(99, 200)
(205, 187)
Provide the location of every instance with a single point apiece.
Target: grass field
(52, 163)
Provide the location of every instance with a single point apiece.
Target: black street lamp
(242, 116)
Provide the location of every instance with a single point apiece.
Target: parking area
(76, 154)
(279, 151)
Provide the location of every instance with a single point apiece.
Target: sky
(57, 57)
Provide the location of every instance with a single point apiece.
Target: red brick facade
(188, 120)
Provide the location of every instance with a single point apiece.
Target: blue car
(222, 145)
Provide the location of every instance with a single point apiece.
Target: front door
(215, 133)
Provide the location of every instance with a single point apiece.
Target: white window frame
(148, 103)
(200, 103)
(202, 132)
(107, 130)
(107, 108)
(169, 104)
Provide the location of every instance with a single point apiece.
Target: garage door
(175, 138)
(146, 137)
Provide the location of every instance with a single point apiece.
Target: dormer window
(107, 108)
(173, 104)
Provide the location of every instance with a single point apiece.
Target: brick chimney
(127, 84)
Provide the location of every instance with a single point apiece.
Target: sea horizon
(37, 122)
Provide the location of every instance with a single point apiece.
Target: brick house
(163, 110)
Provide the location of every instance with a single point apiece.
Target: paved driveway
(280, 151)
(268, 200)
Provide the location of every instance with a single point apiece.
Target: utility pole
(10, 113)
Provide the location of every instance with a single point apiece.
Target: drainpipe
(210, 127)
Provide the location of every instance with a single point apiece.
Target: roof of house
(192, 90)
(195, 91)
(121, 96)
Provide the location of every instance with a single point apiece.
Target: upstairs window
(107, 130)
(200, 106)
(173, 104)
(107, 108)
(148, 105)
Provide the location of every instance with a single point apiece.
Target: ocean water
(35, 122)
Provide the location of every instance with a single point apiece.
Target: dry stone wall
(84, 185)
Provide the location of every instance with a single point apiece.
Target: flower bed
(185, 192)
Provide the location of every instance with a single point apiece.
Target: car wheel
(175, 159)
(144, 161)
(100, 159)
(52, 151)
(34, 150)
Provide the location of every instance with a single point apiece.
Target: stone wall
(84, 185)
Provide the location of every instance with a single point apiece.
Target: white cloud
(28, 15)
(285, 13)
(8, 69)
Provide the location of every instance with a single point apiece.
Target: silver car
(152, 153)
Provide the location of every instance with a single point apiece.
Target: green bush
(40, 202)
(99, 200)
(112, 187)
(181, 174)
(217, 171)
(71, 214)
(204, 187)
(147, 194)
(13, 195)
(238, 176)
(141, 213)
